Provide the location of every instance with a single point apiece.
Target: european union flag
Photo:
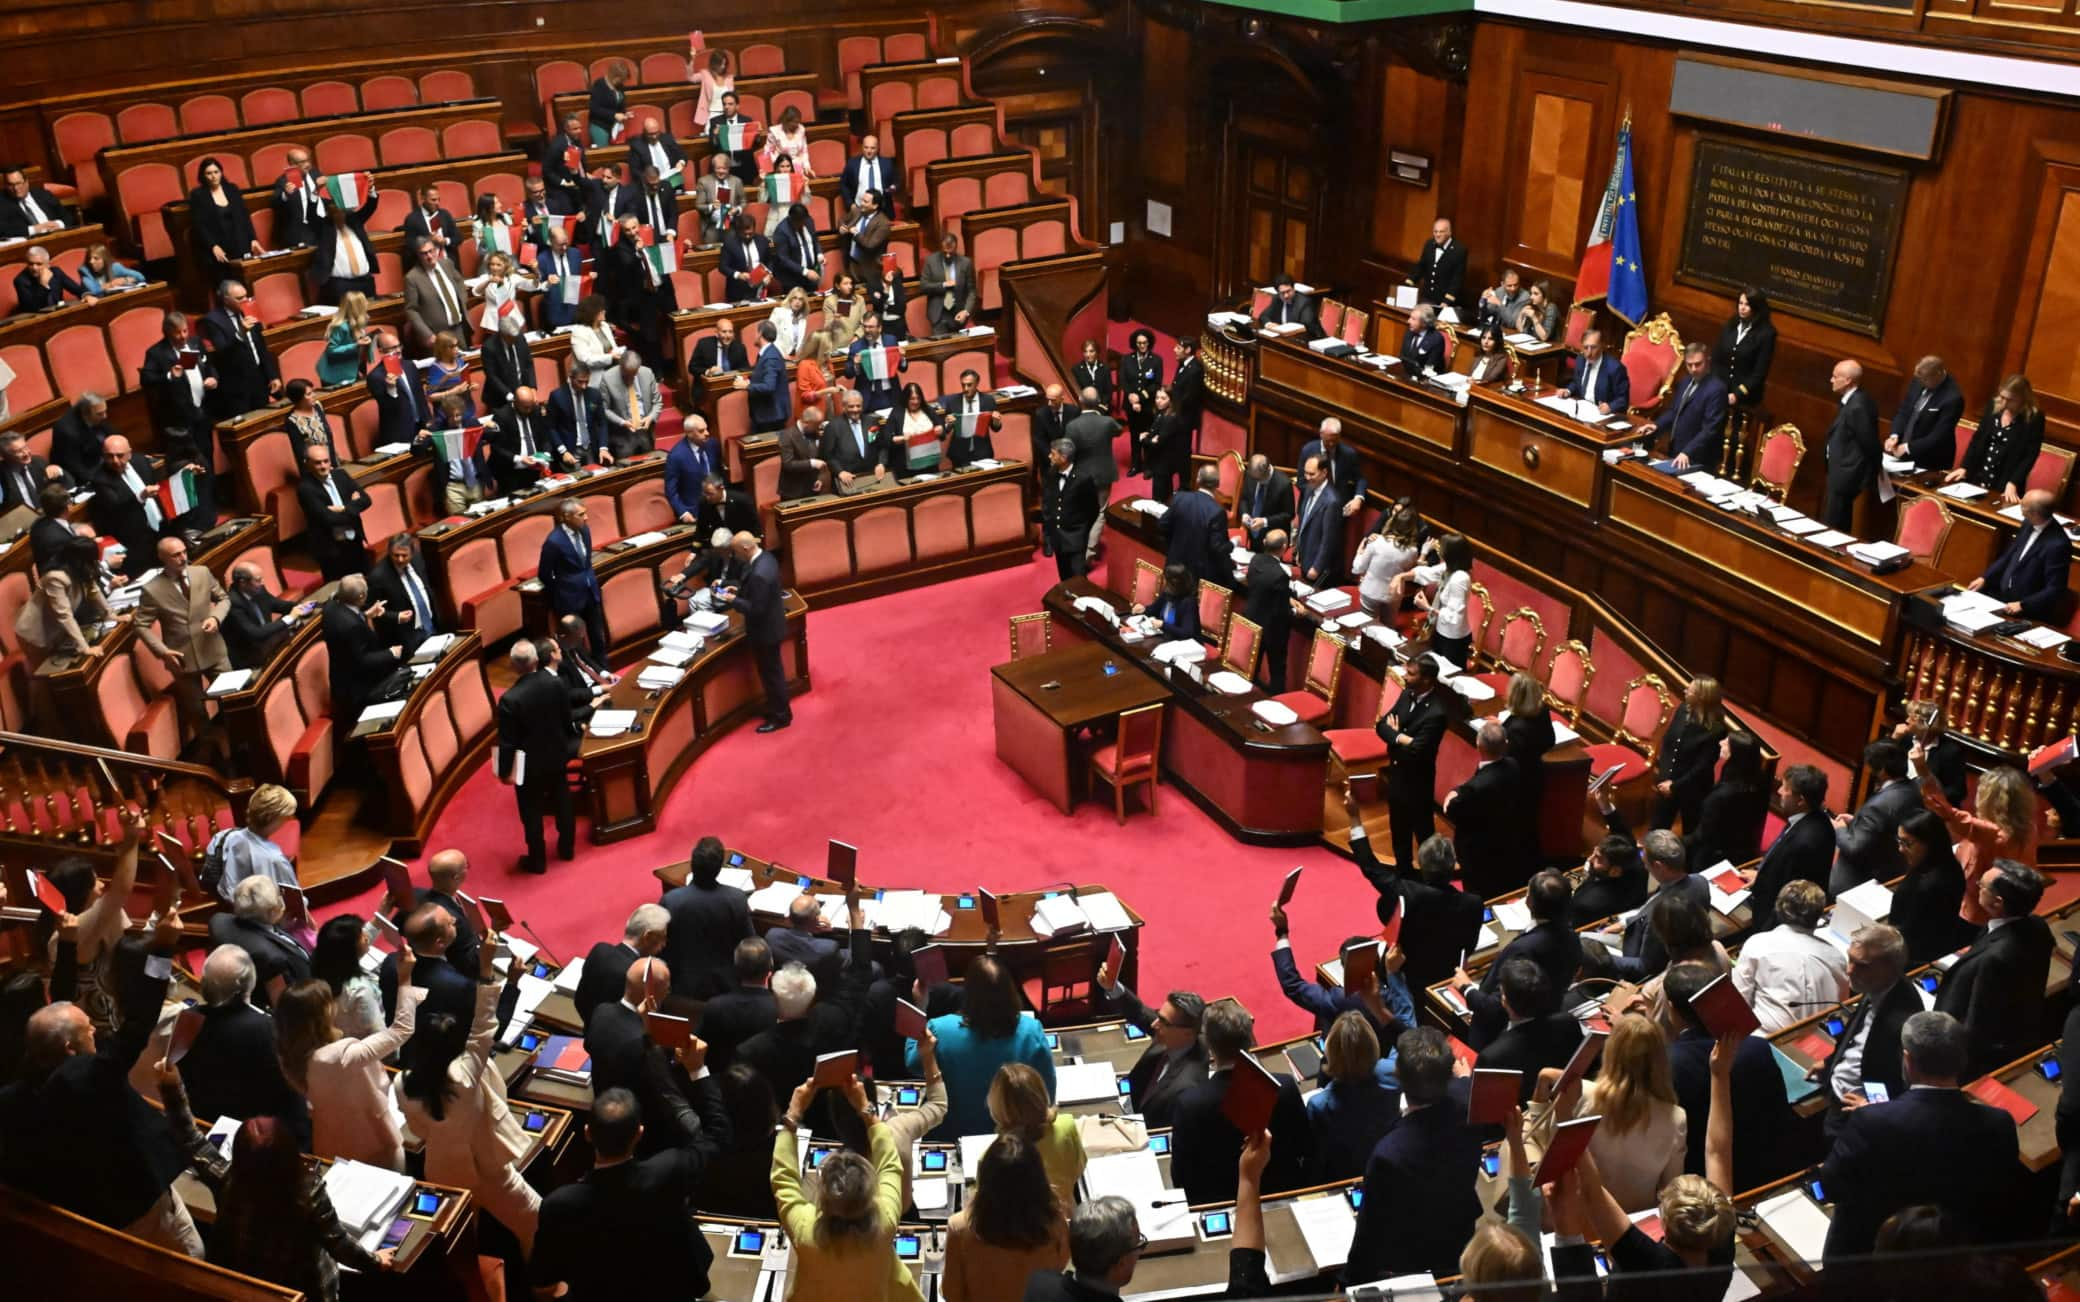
(1628, 286)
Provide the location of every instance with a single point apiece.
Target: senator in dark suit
(258, 622)
(81, 436)
(1413, 728)
(1551, 945)
(1642, 954)
(770, 401)
(1267, 499)
(1852, 446)
(429, 221)
(124, 505)
(1204, 1143)
(272, 951)
(1488, 826)
(1290, 307)
(1600, 378)
(359, 660)
(1346, 474)
(578, 417)
(29, 210)
(1174, 1062)
(735, 1016)
(852, 450)
(707, 921)
(1440, 272)
(43, 285)
(508, 364)
(1420, 1201)
(1195, 530)
(763, 604)
(23, 474)
(1932, 1145)
(1803, 851)
(332, 504)
(178, 393)
(344, 259)
(1422, 347)
(1997, 988)
(1267, 602)
(233, 1068)
(1318, 527)
(1165, 451)
(1694, 417)
(536, 734)
(623, 1055)
(1924, 429)
(1867, 845)
(247, 374)
(567, 577)
(399, 581)
(1069, 507)
(1866, 1053)
(1439, 922)
(2029, 576)
(1762, 1116)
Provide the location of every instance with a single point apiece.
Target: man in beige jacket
(180, 616)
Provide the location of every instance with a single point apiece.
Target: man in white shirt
(1787, 973)
(1865, 1064)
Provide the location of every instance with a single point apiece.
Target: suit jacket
(508, 364)
(708, 355)
(798, 255)
(1803, 851)
(1156, 1081)
(1420, 1203)
(420, 225)
(734, 1016)
(1422, 353)
(175, 409)
(1613, 385)
(1489, 831)
(1188, 391)
(1301, 311)
(818, 953)
(1927, 422)
(566, 571)
(625, 402)
(962, 451)
(735, 512)
(29, 296)
(1869, 845)
(1694, 418)
(326, 240)
(686, 467)
(1168, 449)
(298, 212)
(534, 719)
(401, 414)
(1762, 1116)
(641, 154)
(2036, 578)
(462, 952)
(762, 602)
(1205, 1145)
(853, 449)
(1554, 946)
(1318, 536)
(1939, 1146)
(360, 661)
(333, 533)
(1093, 432)
(1094, 375)
(14, 215)
(1742, 363)
(507, 448)
(945, 278)
(1068, 506)
(168, 618)
(799, 477)
(274, 953)
(701, 939)
(232, 1070)
(1531, 1046)
(1195, 530)
(2012, 461)
(1439, 274)
(243, 364)
(559, 176)
(1925, 908)
(658, 210)
(1852, 445)
(386, 584)
(888, 175)
(1346, 476)
(771, 404)
(1271, 500)
(423, 305)
(120, 513)
(1644, 954)
(1881, 1061)
(737, 259)
(1413, 774)
(1267, 597)
(567, 265)
(76, 445)
(624, 1057)
(12, 496)
(254, 628)
(1997, 991)
(563, 420)
(714, 211)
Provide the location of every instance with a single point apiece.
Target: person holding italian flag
(345, 259)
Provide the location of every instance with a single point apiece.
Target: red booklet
(2045, 758)
(930, 964)
(1495, 1094)
(1364, 786)
(987, 902)
(1570, 1140)
(834, 1069)
(495, 910)
(1730, 882)
(1361, 965)
(47, 892)
(1391, 933)
(393, 364)
(670, 1033)
(187, 1024)
(1252, 1095)
(843, 864)
(1462, 1050)
(888, 264)
(1815, 1045)
(573, 1058)
(1585, 1055)
(1722, 1009)
(1287, 887)
(910, 1020)
(1116, 956)
(1988, 1090)
(398, 878)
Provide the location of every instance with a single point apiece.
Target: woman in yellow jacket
(844, 1242)
(1019, 1105)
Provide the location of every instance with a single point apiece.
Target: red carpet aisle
(894, 751)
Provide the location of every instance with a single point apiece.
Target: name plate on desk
(1816, 234)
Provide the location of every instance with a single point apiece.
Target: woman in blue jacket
(988, 1032)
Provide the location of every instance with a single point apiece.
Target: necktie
(34, 213)
(422, 610)
(352, 249)
(859, 439)
(1684, 396)
(657, 222)
(448, 302)
(526, 439)
(28, 486)
(332, 491)
(578, 405)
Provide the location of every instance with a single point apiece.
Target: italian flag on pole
(457, 444)
(736, 138)
(349, 190)
(785, 187)
(179, 492)
(878, 364)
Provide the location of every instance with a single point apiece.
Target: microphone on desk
(1067, 886)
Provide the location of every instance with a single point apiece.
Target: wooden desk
(2007, 696)
(1263, 784)
(1036, 724)
(628, 777)
(904, 533)
(644, 567)
(1978, 530)
(424, 755)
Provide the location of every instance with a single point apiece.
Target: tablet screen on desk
(1159, 1144)
(425, 1203)
(748, 1243)
(909, 1247)
(908, 1096)
(736, 858)
(535, 1122)
(1133, 1032)
(934, 1159)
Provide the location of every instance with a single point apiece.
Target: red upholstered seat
(268, 104)
(129, 336)
(761, 60)
(314, 681)
(880, 539)
(820, 552)
(629, 598)
(445, 85)
(140, 123)
(643, 508)
(997, 515)
(1133, 757)
(854, 53)
(1355, 747)
(278, 298)
(311, 762)
(401, 145)
(1924, 524)
(202, 114)
(1031, 635)
(1777, 462)
(388, 91)
(941, 526)
(1315, 703)
(469, 704)
(470, 138)
(324, 99)
(520, 547)
(904, 47)
(416, 772)
(350, 151)
(1603, 755)
(143, 189)
(32, 384)
(271, 160)
(79, 136)
(1648, 705)
(826, 158)
(79, 362)
(661, 68)
(437, 731)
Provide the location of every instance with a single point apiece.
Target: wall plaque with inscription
(1815, 234)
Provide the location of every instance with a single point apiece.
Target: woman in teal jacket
(988, 1032)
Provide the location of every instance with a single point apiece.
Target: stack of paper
(919, 909)
(1724, 901)
(1514, 914)
(1097, 606)
(1219, 319)
(611, 723)
(1286, 328)
(1182, 651)
(489, 505)
(1324, 600)
(1150, 507)
(708, 623)
(364, 1196)
(1275, 714)
(1859, 907)
(672, 657)
(566, 981)
(1897, 465)
(1086, 1082)
(383, 711)
(433, 648)
(657, 678)
(1327, 1226)
(1876, 553)
(1385, 636)
(233, 681)
(1325, 343)
(838, 918)
(2015, 513)
(1473, 689)
(735, 878)
(1104, 911)
(1356, 619)
(1163, 1214)
(1058, 913)
(1230, 682)
(645, 539)
(533, 990)
(681, 639)
(1798, 525)
(1796, 1219)
(1831, 538)
(2043, 638)
(1972, 611)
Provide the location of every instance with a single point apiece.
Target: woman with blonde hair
(349, 347)
(2001, 824)
(2005, 447)
(593, 345)
(789, 139)
(1019, 1105)
(844, 1241)
(100, 273)
(352, 1115)
(1641, 1142)
(1013, 1225)
(790, 317)
(1689, 755)
(1529, 726)
(504, 279)
(1384, 555)
(1350, 1115)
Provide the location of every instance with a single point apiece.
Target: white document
(645, 539)
(1324, 600)
(680, 639)
(1085, 1082)
(433, 648)
(383, 711)
(1897, 465)
(736, 878)
(931, 1193)
(1058, 913)
(392, 449)
(670, 656)
(2043, 638)
(611, 723)
(1514, 915)
(1472, 688)
(1229, 682)
(365, 1195)
(774, 898)
(1327, 1225)
(566, 981)
(232, 681)
(1385, 636)
(1275, 714)
(974, 1146)
(1799, 1221)
(1962, 491)
(1105, 912)
(1862, 905)
(657, 678)
(1831, 538)
(1404, 297)
(1877, 553)
(1182, 651)
(533, 990)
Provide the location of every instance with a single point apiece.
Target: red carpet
(894, 751)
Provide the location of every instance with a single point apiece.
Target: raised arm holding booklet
(1494, 1095)
(1286, 888)
(668, 1032)
(843, 865)
(1722, 1010)
(834, 1070)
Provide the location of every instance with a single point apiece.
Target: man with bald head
(402, 407)
(451, 987)
(537, 736)
(332, 505)
(763, 603)
(607, 963)
(853, 454)
(2029, 576)
(126, 506)
(75, 1134)
(259, 621)
(1051, 422)
(625, 1057)
(180, 619)
(360, 662)
(1924, 429)
(1853, 451)
(233, 1069)
(446, 872)
(522, 439)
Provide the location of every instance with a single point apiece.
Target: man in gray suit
(1092, 431)
(717, 196)
(435, 299)
(633, 403)
(950, 297)
(1867, 843)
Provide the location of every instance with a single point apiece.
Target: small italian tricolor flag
(662, 259)
(567, 223)
(924, 450)
(974, 424)
(575, 288)
(456, 444)
(179, 492)
(497, 237)
(878, 364)
(736, 137)
(494, 311)
(349, 190)
(785, 187)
